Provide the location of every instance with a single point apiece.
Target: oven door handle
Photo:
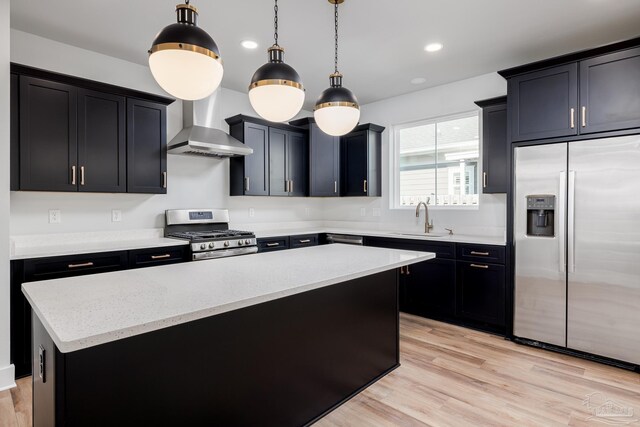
(224, 253)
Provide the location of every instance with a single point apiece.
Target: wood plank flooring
(452, 376)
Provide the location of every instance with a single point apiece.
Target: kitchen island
(268, 339)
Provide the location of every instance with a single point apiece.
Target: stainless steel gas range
(208, 232)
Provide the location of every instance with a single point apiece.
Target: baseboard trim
(7, 378)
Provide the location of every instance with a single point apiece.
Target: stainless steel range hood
(205, 141)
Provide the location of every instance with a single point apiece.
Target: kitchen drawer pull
(272, 245)
(407, 270)
(304, 241)
(480, 253)
(573, 118)
(335, 187)
(73, 175)
(165, 256)
(479, 266)
(584, 117)
(246, 183)
(401, 270)
(484, 180)
(365, 186)
(291, 186)
(81, 175)
(84, 264)
(164, 180)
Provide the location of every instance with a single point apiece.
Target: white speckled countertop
(86, 311)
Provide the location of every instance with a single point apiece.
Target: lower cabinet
(272, 244)
(157, 256)
(480, 293)
(304, 241)
(426, 289)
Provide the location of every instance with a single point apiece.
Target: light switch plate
(116, 215)
(252, 212)
(376, 211)
(55, 216)
(363, 211)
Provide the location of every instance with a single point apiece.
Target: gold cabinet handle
(286, 185)
(480, 253)
(407, 270)
(164, 179)
(573, 118)
(81, 175)
(73, 175)
(479, 266)
(484, 180)
(291, 186)
(584, 117)
(165, 256)
(401, 270)
(304, 241)
(85, 264)
(335, 186)
(365, 186)
(272, 245)
(246, 183)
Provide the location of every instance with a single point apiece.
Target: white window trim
(394, 160)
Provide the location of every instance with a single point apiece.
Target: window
(436, 162)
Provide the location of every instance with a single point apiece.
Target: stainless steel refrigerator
(577, 246)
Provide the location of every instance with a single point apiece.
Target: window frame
(394, 166)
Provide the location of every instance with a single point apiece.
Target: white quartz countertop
(86, 311)
(455, 238)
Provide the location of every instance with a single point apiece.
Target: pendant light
(276, 92)
(184, 59)
(337, 111)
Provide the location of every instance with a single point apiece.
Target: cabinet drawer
(157, 256)
(480, 294)
(441, 249)
(273, 244)
(73, 265)
(303, 241)
(481, 253)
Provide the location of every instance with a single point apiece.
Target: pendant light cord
(336, 37)
(275, 23)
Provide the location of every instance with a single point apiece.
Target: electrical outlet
(116, 215)
(307, 212)
(252, 212)
(55, 216)
(363, 211)
(376, 211)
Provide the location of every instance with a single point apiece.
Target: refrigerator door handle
(561, 234)
(571, 219)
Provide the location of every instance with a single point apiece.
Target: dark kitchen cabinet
(298, 164)
(495, 145)
(250, 174)
(544, 104)
(481, 293)
(102, 144)
(610, 92)
(272, 244)
(158, 256)
(324, 160)
(48, 135)
(15, 132)
(304, 241)
(360, 160)
(287, 163)
(429, 289)
(146, 147)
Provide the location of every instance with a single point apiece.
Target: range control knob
(226, 244)
(240, 242)
(203, 246)
(212, 245)
(248, 242)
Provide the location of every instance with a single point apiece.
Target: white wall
(458, 97)
(193, 181)
(6, 370)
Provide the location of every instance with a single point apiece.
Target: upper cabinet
(495, 166)
(582, 93)
(361, 163)
(324, 160)
(279, 164)
(71, 134)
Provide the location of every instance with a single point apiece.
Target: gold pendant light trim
(186, 47)
(188, 6)
(276, 82)
(336, 104)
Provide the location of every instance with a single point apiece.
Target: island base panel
(281, 363)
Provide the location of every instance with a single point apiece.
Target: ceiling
(382, 43)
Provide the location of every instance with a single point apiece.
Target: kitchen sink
(431, 234)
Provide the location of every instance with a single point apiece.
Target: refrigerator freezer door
(604, 248)
(541, 281)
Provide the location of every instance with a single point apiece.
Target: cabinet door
(101, 142)
(610, 92)
(324, 163)
(430, 288)
(481, 293)
(146, 147)
(354, 164)
(298, 165)
(544, 104)
(15, 133)
(494, 149)
(278, 171)
(256, 165)
(48, 135)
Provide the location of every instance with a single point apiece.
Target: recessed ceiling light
(249, 44)
(418, 81)
(433, 47)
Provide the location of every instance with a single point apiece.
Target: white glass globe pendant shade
(184, 59)
(337, 121)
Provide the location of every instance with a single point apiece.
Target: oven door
(224, 253)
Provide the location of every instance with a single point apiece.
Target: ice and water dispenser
(540, 215)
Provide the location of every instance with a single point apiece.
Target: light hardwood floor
(452, 376)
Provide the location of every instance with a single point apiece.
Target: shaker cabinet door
(298, 164)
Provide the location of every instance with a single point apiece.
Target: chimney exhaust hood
(197, 140)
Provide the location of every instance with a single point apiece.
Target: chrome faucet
(427, 225)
